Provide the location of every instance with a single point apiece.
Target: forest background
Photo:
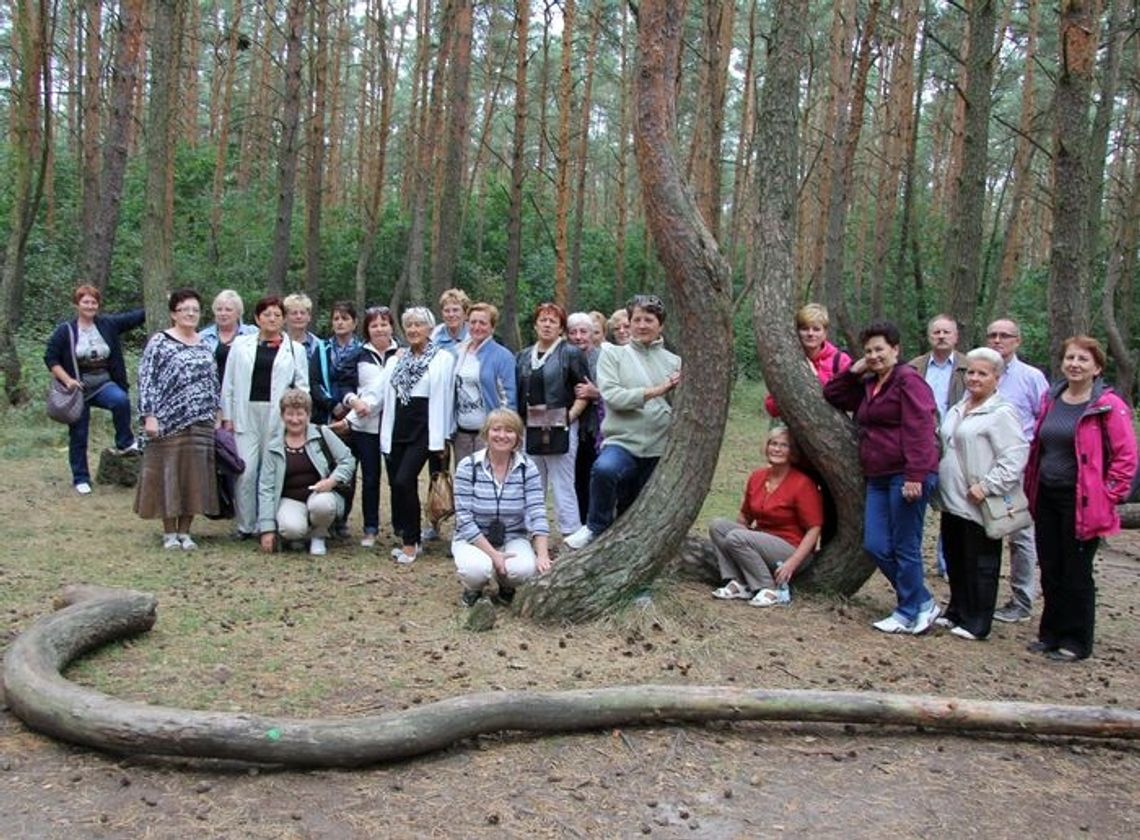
(978, 158)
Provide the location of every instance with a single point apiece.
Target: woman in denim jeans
(896, 414)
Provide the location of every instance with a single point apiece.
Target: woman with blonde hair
(500, 516)
(228, 310)
(826, 360)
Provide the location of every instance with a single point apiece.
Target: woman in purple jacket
(896, 414)
(1081, 465)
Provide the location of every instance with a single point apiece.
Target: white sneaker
(580, 538)
(925, 619)
(406, 559)
(170, 541)
(317, 547)
(963, 633)
(891, 624)
(83, 488)
(368, 541)
(186, 542)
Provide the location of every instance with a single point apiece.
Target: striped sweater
(520, 502)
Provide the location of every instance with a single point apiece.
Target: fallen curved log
(39, 695)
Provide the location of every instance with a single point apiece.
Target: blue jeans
(615, 480)
(892, 535)
(114, 399)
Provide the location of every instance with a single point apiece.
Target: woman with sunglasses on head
(373, 366)
(178, 401)
(1081, 464)
(635, 382)
(547, 374)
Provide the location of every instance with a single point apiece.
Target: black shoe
(470, 596)
(504, 596)
(1040, 647)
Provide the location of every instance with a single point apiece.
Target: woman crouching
(299, 475)
(500, 513)
(775, 533)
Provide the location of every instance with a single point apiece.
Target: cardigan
(496, 374)
(62, 340)
(271, 481)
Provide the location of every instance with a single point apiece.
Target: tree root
(39, 695)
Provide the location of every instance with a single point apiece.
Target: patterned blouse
(178, 384)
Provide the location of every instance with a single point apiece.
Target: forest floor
(352, 634)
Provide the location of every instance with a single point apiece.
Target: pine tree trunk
(99, 238)
(449, 210)
(825, 435)
(1069, 263)
(30, 126)
(963, 247)
(562, 160)
(627, 557)
(222, 138)
(92, 95)
(161, 137)
(509, 322)
(287, 151)
(621, 201)
(582, 158)
(315, 162)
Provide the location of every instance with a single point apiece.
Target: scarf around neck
(410, 369)
(537, 361)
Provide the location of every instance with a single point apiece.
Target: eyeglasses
(1002, 335)
(378, 310)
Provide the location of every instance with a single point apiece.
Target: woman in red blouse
(775, 532)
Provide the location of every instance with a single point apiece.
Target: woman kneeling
(302, 469)
(775, 533)
(500, 513)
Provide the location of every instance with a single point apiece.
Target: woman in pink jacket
(1080, 467)
(826, 360)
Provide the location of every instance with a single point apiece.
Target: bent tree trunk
(584, 585)
(824, 434)
(38, 694)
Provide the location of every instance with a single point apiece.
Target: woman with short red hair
(546, 373)
(86, 353)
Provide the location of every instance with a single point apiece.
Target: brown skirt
(177, 476)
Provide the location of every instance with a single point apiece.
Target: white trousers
(297, 520)
(251, 444)
(557, 472)
(475, 569)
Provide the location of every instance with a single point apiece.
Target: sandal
(765, 598)
(732, 591)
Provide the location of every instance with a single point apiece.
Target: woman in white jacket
(984, 454)
(366, 403)
(416, 419)
(260, 368)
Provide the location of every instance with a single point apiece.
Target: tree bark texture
(824, 434)
(1069, 263)
(582, 157)
(287, 151)
(509, 323)
(161, 137)
(92, 95)
(30, 125)
(628, 556)
(99, 239)
(38, 694)
(562, 160)
(964, 235)
(449, 215)
(315, 163)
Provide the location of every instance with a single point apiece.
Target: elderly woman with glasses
(635, 381)
(416, 420)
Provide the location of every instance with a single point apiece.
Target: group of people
(986, 439)
(582, 412)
